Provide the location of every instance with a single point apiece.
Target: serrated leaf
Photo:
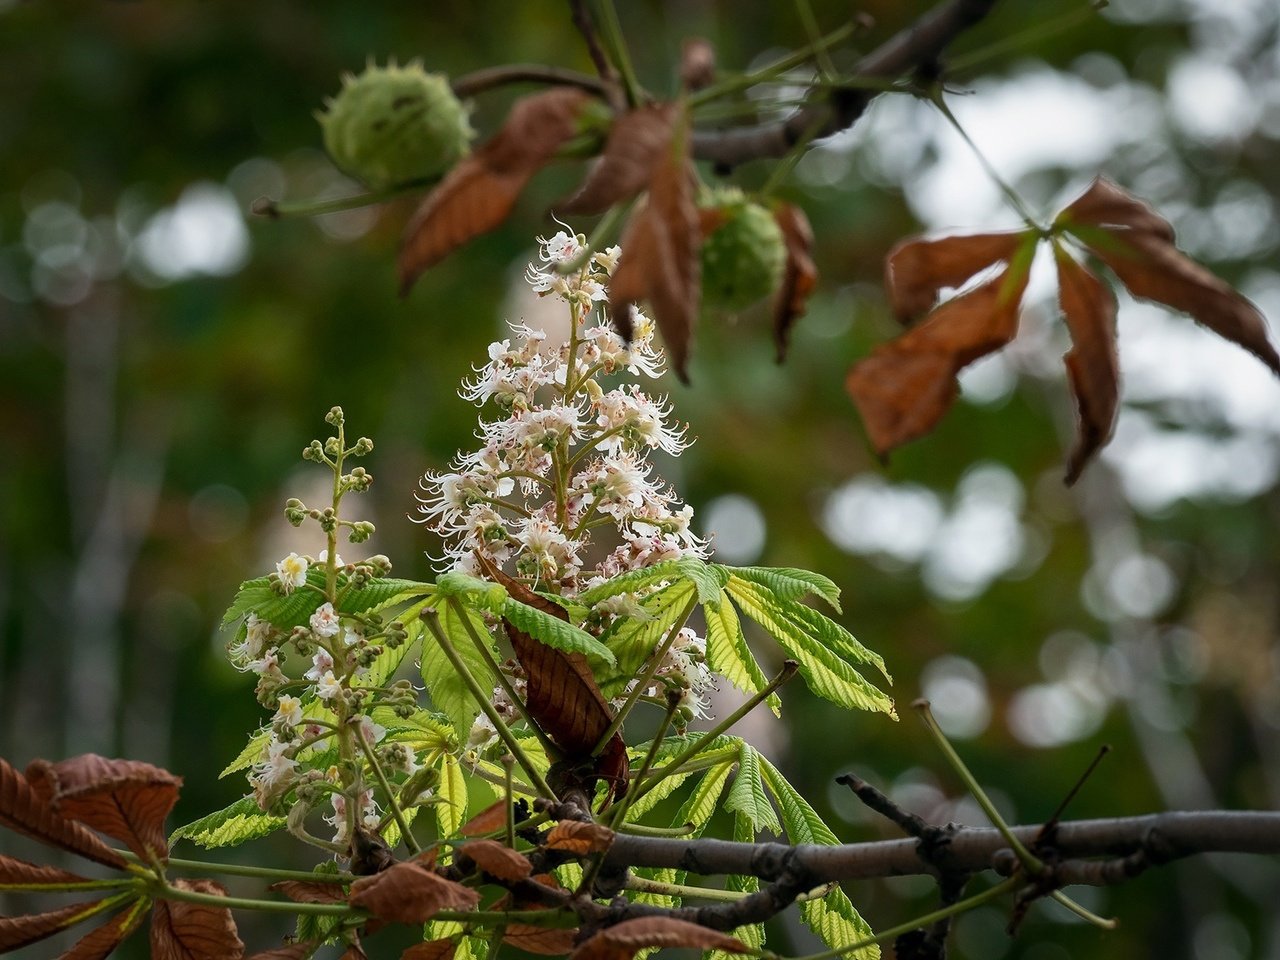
(729, 655)
(800, 821)
(422, 729)
(790, 583)
(555, 632)
(452, 813)
(382, 593)
(632, 640)
(232, 825)
(389, 660)
(630, 581)
(449, 692)
(476, 592)
(835, 919)
(707, 578)
(825, 673)
(258, 596)
(665, 788)
(747, 794)
(312, 709)
(701, 804)
(821, 628)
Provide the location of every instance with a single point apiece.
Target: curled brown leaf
(903, 389)
(479, 192)
(194, 931)
(16, 932)
(626, 164)
(491, 818)
(1105, 204)
(624, 940)
(577, 837)
(660, 253)
(799, 276)
(918, 269)
(125, 799)
(23, 810)
(302, 891)
(544, 941)
(20, 873)
(1093, 364)
(498, 861)
(410, 892)
(431, 950)
(99, 944)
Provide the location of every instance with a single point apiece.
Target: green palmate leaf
(789, 583)
(830, 634)
(697, 810)
(823, 670)
(381, 594)
(569, 874)
(729, 655)
(449, 692)
(472, 590)
(388, 662)
(452, 812)
(633, 639)
(312, 709)
(747, 796)
(553, 631)
(472, 948)
(258, 596)
(834, 917)
(241, 821)
(391, 832)
(665, 788)
(631, 581)
(422, 730)
(708, 578)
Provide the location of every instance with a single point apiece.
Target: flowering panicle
(568, 460)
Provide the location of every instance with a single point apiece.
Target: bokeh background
(164, 357)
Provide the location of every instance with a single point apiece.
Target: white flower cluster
(569, 457)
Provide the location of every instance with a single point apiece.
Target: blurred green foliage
(152, 424)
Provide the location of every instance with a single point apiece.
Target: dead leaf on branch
(903, 389)
(497, 860)
(624, 940)
(301, 891)
(20, 873)
(99, 943)
(660, 246)
(543, 941)
(1136, 243)
(24, 810)
(1093, 364)
(626, 164)
(917, 270)
(194, 931)
(16, 932)
(410, 892)
(479, 193)
(799, 274)
(578, 837)
(125, 799)
(562, 695)
(488, 820)
(431, 950)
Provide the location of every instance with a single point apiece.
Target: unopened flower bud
(335, 417)
(363, 447)
(360, 531)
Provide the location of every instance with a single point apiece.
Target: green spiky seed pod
(394, 124)
(742, 259)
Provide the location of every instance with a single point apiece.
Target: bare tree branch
(915, 48)
(1159, 838)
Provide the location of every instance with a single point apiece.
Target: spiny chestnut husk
(393, 124)
(743, 257)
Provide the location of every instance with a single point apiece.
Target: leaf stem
(611, 32)
(482, 698)
(788, 671)
(643, 681)
(276, 209)
(244, 870)
(779, 66)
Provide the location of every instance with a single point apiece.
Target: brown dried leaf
(577, 837)
(1154, 269)
(479, 192)
(635, 144)
(799, 277)
(431, 950)
(19, 873)
(24, 811)
(1093, 364)
(562, 695)
(124, 799)
(354, 952)
(290, 951)
(917, 269)
(31, 928)
(497, 860)
(98, 944)
(544, 941)
(491, 818)
(302, 891)
(660, 260)
(194, 931)
(905, 386)
(1104, 204)
(409, 892)
(624, 940)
